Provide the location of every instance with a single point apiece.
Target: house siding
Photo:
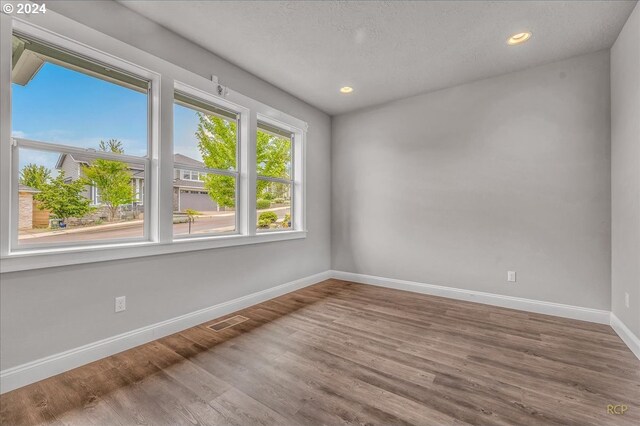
(72, 169)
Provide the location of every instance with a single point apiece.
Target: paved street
(217, 222)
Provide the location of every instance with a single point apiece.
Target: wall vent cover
(226, 323)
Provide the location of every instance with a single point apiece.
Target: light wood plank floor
(343, 353)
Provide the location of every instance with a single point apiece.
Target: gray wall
(625, 173)
(458, 186)
(43, 312)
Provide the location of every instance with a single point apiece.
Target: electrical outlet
(121, 303)
(626, 300)
(511, 276)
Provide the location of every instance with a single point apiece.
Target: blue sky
(185, 124)
(70, 108)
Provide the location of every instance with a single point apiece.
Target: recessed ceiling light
(518, 38)
(346, 89)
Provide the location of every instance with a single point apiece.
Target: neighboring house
(72, 165)
(25, 206)
(188, 188)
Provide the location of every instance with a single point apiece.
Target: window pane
(273, 152)
(273, 202)
(63, 99)
(71, 198)
(204, 206)
(204, 138)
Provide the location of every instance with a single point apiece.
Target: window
(80, 132)
(94, 194)
(190, 175)
(139, 189)
(100, 162)
(205, 147)
(274, 183)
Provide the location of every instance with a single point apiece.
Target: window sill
(38, 259)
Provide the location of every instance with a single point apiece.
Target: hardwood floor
(342, 353)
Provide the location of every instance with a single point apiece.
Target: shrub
(263, 223)
(270, 216)
(263, 204)
(278, 200)
(191, 216)
(286, 223)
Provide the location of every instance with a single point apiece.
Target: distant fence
(40, 217)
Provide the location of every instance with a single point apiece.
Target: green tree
(217, 141)
(35, 176)
(64, 199)
(273, 158)
(111, 178)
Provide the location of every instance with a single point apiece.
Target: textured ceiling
(386, 49)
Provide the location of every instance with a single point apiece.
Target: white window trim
(243, 145)
(95, 196)
(296, 178)
(165, 77)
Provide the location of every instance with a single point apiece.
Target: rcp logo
(617, 409)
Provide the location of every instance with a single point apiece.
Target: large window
(205, 147)
(274, 154)
(80, 133)
(107, 152)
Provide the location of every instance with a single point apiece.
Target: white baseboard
(13, 378)
(627, 336)
(529, 305)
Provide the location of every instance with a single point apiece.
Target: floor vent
(229, 322)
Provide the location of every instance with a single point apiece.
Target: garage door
(196, 200)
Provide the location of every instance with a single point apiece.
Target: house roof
(138, 172)
(187, 161)
(85, 159)
(25, 188)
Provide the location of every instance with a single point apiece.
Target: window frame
(290, 181)
(298, 169)
(165, 77)
(195, 95)
(37, 145)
